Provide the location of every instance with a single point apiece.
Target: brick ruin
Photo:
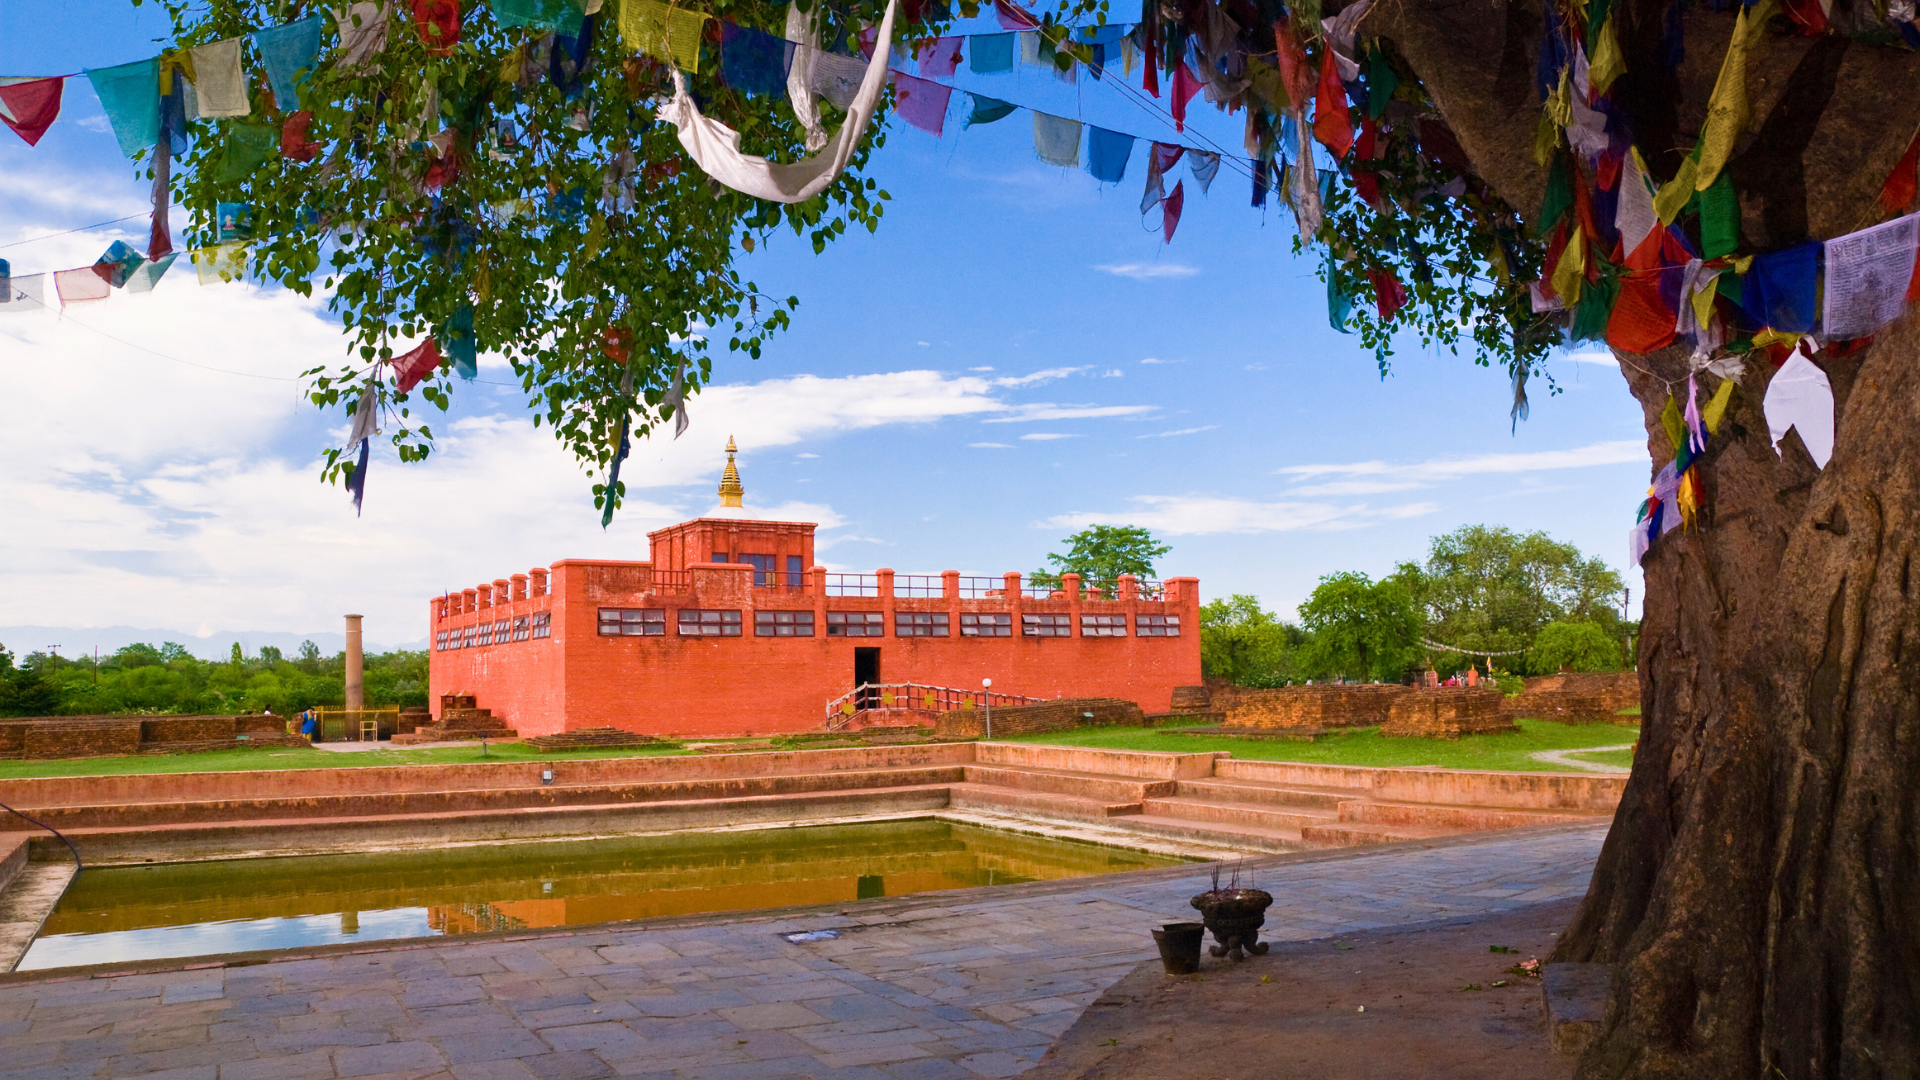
(1324, 705)
(1447, 712)
(1062, 715)
(1574, 697)
(42, 737)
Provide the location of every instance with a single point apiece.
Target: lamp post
(986, 685)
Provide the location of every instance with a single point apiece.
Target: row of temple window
(694, 622)
(537, 625)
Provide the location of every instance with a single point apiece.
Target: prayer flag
(834, 76)
(1868, 273)
(366, 411)
(939, 58)
(1185, 85)
(1641, 321)
(1107, 154)
(410, 369)
(357, 476)
(1726, 109)
(1389, 296)
(1057, 140)
(986, 110)
(1633, 215)
(990, 54)
(222, 262)
(145, 276)
(1204, 167)
(753, 61)
(117, 264)
(1780, 288)
(219, 82)
(363, 33)
(1800, 398)
(1332, 124)
(30, 106)
(560, 16)
(438, 24)
(1897, 193)
(79, 286)
(461, 346)
(1339, 304)
(613, 475)
(246, 148)
(1716, 409)
(1013, 18)
(294, 144)
(922, 103)
(130, 96)
(1719, 218)
(665, 33)
(1170, 209)
(289, 53)
(1295, 72)
(233, 220)
(1261, 168)
(22, 295)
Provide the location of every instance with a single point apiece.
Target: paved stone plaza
(960, 985)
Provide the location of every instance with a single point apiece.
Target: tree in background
(1490, 588)
(1247, 645)
(1359, 628)
(23, 690)
(1100, 554)
(142, 679)
(1575, 646)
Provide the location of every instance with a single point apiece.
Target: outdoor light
(987, 684)
(546, 776)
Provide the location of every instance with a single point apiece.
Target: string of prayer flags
(1868, 275)
(130, 96)
(412, 368)
(363, 33)
(1799, 398)
(219, 82)
(30, 106)
(986, 110)
(1056, 140)
(663, 32)
(990, 54)
(922, 103)
(289, 54)
(1107, 154)
(754, 61)
(939, 58)
(438, 24)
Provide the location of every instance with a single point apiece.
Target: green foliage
(1100, 554)
(143, 679)
(1247, 645)
(583, 248)
(1359, 628)
(1576, 646)
(1490, 588)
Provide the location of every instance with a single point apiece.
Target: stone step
(1042, 804)
(1085, 785)
(1266, 794)
(1212, 833)
(1254, 814)
(1461, 818)
(1338, 835)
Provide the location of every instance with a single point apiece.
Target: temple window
(1103, 626)
(986, 624)
(696, 622)
(921, 624)
(1046, 625)
(617, 622)
(783, 624)
(1156, 626)
(856, 624)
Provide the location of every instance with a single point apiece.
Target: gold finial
(730, 490)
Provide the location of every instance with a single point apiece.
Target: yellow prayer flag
(1716, 409)
(1572, 268)
(1546, 139)
(1670, 420)
(1702, 299)
(1774, 337)
(1674, 194)
(221, 262)
(1608, 64)
(668, 33)
(1726, 110)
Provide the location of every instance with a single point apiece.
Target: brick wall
(1447, 712)
(1327, 705)
(165, 729)
(81, 738)
(1061, 715)
(1577, 697)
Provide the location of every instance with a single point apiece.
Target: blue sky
(1013, 355)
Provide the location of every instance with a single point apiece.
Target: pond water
(197, 909)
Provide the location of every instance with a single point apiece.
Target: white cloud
(987, 368)
(1049, 411)
(1182, 431)
(991, 445)
(1201, 515)
(1047, 436)
(1113, 373)
(807, 455)
(1625, 451)
(1157, 360)
(1148, 271)
(1048, 375)
(922, 344)
(1601, 358)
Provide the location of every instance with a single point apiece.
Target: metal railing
(778, 579)
(853, 584)
(982, 588)
(912, 697)
(671, 581)
(928, 586)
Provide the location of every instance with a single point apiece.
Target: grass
(304, 758)
(1508, 752)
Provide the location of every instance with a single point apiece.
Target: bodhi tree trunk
(1759, 892)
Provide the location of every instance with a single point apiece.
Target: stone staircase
(1213, 800)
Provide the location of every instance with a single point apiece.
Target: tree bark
(1759, 892)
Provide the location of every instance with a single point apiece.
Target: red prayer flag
(1913, 282)
(1640, 323)
(294, 144)
(921, 102)
(408, 370)
(29, 107)
(1295, 75)
(1151, 48)
(1389, 296)
(1332, 124)
(1013, 18)
(1897, 193)
(1185, 85)
(438, 22)
(1170, 210)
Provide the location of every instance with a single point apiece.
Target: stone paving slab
(950, 986)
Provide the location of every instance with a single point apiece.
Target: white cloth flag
(218, 81)
(23, 295)
(1867, 277)
(363, 34)
(1340, 31)
(715, 147)
(1634, 216)
(1799, 397)
(1637, 543)
(366, 415)
(802, 30)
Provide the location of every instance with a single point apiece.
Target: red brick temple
(729, 628)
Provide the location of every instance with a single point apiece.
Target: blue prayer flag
(130, 96)
(754, 61)
(1339, 304)
(1780, 288)
(460, 345)
(1107, 153)
(986, 110)
(990, 54)
(289, 53)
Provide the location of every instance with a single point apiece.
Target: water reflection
(194, 909)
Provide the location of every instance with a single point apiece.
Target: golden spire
(730, 490)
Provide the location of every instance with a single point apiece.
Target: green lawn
(305, 758)
(1366, 746)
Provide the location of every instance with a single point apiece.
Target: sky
(1015, 354)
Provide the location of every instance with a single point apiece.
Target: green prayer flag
(1381, 82)
(1339, 304)
(986, 110)
(1719, 218)
(1558, 198)
(247, 147)
(1596, 305)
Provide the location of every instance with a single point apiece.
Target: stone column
(356, 688)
